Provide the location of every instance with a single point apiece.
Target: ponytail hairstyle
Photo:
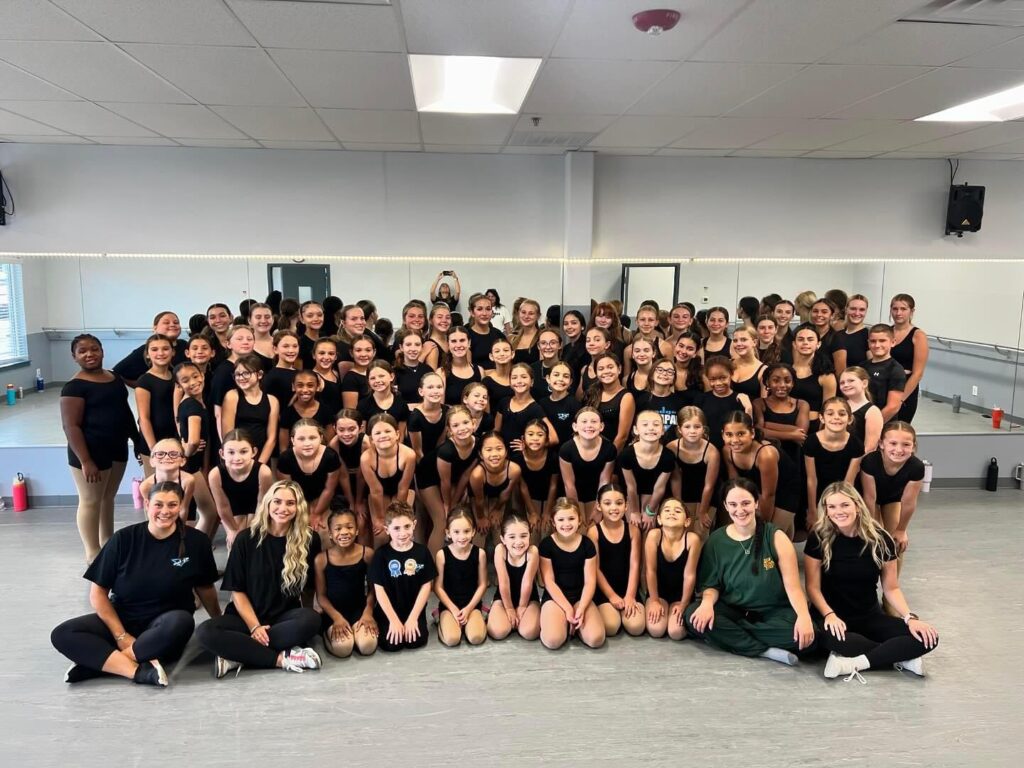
(378, 418)
(688, 412)
(297, 539)
(169, 486)
(743, 484)
(307, 423)
(523, 367)
(283, 334)
(719, 361)
(239, 436)
(539, 423)
(839, 400)
(609, 488)
(384, 365)
(565, 504)
(722, 311)
(875, 539)
(898, 426)
(861, 374)
(288, 315)
(150, 340)
(512, 517)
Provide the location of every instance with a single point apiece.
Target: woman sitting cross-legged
(846, 555)
(270, 566)
(142, 589)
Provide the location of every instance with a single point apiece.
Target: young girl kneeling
(516, 603)
(341, 589)
(461, 582)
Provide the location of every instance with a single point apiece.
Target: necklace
(746, 550)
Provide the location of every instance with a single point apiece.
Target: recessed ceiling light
(1005, 105)
(485, 85)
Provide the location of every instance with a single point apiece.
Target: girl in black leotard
(689, 364)
(388, 467)
(768, 348)
(325, 356)
(456, 456)
(697, 463)
(618, 573)
(720, 400)
(516, 603)
(513, 414)
(596, 342)
(910, 349)
(747, 369)
(354, 386)
(821, 313)
(251, 409)
(435, 345)
(560, 406)
(853, 339)
(461, 582)
(671, 553)
(586, 462)
(718, 341)
(314, 466)
(538, 462)
(855, 386)
(342, 591)
(168, 459)
(409, 366)
(154, 397)
(426, 434)
(278, 380)
(311, 318)
(459, 369)
(641, 355)
(815, 381)
(496, 378)
(382, 397)
(780, 416)
(525, 332)
(348, 443)
(304, 405)
(493, 482)
(646, 468)
(477, 400)
(238, 483)
(831, 455)
(615, 404)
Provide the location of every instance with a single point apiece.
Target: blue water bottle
(12, 394)
(40, 384)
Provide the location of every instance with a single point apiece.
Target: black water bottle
(992, 476)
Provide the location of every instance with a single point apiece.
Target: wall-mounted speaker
(963, 213)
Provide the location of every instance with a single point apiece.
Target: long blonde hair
(869, 531)
(296, 547)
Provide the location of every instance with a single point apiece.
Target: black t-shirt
(147, 576)
(587, 474)
(538, 481)
(448, 452)
(889, 488)
(324, 416)
(368, 408)
(668, 407)
(886, 376)
(223, 382)
(161, 404)
(480, 346)
(856, 346)
(431, 432)
(401, 574)
(312, 484)
(134, 363)
(107, 420)
(188, 408)
(255, 570)
(645, 478)
(407, 379)
(355, 382)
(561, 413)
(850, 585)
(568, 567)
(513, 423)
(278, 382)
(831, 466)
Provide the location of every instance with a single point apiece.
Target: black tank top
(693, 476)
(859, 426)
(808, 388)
(787, 491)
(750, 387)
(253, 418)
(613, 559)
(495, 491)
(243, 495)
(903, 353)
(461, 577)
(670, 573)
(346, 587)
(786, 419)
(610, 410)
(515, 582)
(350, 455)
(716, 409)
(453, 386)
(389, 485)
(725, 351)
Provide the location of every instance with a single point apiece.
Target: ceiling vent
(549, 139)
(989, 13)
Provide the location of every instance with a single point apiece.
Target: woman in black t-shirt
(891, 478)
(98, 424)
(269, 569)
(142, 590)
(846, 555)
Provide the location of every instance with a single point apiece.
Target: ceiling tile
(922, 44)
(904, 155)
(320, 145)
(223, 143)
(349, 80)
(1013, 147)
(799, 32)
(81, 117)
(814, 134)
(16, 139)
(1006, 56)
(903, 135)
(462, 149)
(35, 20)
(989, 156)
(644, 131)
(189, 120)
(824, 88)
(220, 75)
(321, 25)
(677, 152)
(829, 154)
(369, 146)
(566, 123)
(95, 71)
(603, 28)
(282, 123)
(199, 22)
(491, 130)
(592, 87)
(938, 90)
(625, 150)
(731, 132)
(701, 89)
(17, 124)
(766, 153)
(133, 141)
(474, 28)
(15, 84)
(979, 138)
(372, 125)
(510, 150)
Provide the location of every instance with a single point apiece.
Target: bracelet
(253, 630)
(909, 616)
(122, 636)
(649, 512)
(830, 613)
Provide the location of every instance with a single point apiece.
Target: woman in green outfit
(751, 602)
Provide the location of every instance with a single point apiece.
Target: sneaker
(842, 665)
(301, 659)
(77, 674)
(150, 673)
(914, 666)
(223, 667)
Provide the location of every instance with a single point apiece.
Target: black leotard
(495, 491)
(461, 577)
(278, 382)
(787, 483)
(859, 426)
(725, 351)
(561, 413)
(355, 382)
(645, 478)
(188, 408)
(693, 476)
(329, 395)
(496, 392)
(671, 572)
(389, 484)
(453, 386)
(587, 474)
(515, 583)
(346, 589)
(368, 408)
(314, 483)
(568, 567)
(243, 495)
(856, 346)
(107, 420)
(716, 409)
(430, 438)
(613, 560)
(538, 481)
(808, 388)
(889, 488)
(750, 387)
(449, 453)
(513, 423)
(407, 378)
(832, 466)
(161, 407)
(253, 418)
(788, 420)
(610, 411)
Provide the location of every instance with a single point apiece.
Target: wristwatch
(909, 616)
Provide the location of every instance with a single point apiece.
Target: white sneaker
(914, 666)
(842, 665)
(301, 659)
(222, 667)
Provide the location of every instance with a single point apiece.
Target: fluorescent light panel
(997, 108)
(482, 85)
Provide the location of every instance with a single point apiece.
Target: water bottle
(956, 403)
(992, 476)
(12, 394)
(40, 384)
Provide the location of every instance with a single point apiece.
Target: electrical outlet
(974, 391)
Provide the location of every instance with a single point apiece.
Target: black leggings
(885, 640)
(87, 641)
(382, 638)
(228, 636)
(909, 407)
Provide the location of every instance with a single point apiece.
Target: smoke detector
(656, 20)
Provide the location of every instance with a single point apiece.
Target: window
(13, 342)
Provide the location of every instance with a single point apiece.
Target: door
(302, 282)
(642, 282)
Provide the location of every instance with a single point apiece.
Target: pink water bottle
(137, 492)
(997, 417)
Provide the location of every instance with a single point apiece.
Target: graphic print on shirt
(409, 568)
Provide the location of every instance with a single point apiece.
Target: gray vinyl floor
(636, 701)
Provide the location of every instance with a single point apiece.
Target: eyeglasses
(165, 455)
(665, 370)
(244, 375)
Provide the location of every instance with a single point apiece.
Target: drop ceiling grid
(280, 74)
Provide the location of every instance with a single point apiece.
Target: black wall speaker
(963, 213)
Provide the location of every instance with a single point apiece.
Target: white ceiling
(748, 78)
